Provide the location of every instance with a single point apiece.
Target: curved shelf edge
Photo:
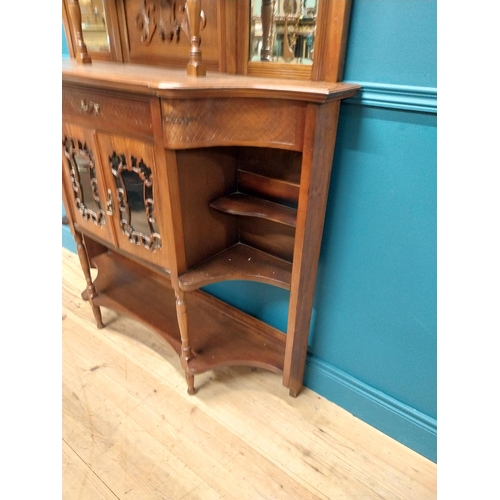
(251, 206)
(197, 366)
(268, 187)
(239, 262)
(220, 335)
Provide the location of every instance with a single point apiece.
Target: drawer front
(107, 112)
(192, 123)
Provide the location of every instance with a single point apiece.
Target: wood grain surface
(130, 431)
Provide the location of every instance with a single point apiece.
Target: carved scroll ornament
(168, 20)
(121, 164)
(72, 148)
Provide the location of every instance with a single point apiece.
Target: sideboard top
(175, 83)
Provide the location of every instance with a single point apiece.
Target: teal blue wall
(373, 339)
(65, 50)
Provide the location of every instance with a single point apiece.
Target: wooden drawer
(193, 123)
(103, 111)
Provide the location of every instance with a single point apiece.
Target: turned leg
(190, 383)
(186, 353)
(91, 291)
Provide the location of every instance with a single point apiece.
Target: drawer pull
(90, 107)
(83, 105)
(110, 208)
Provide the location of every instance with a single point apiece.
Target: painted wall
(373, 339)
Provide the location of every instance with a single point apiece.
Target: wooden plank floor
(130, 430)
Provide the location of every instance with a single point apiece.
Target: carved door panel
(130, 171)
(84, 182)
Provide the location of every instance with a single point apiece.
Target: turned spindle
(196, 17)
(186, 353)
(75, 17)
(91, 291)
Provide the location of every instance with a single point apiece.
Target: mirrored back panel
(95, 33)
(283, 31)
(286, 39)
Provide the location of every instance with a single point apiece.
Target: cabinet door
(84, 183)
(130, 171)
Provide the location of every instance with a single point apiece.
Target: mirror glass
(87, 181)
(134, 192)
(95, 33)
(283, 31)
(138, 196)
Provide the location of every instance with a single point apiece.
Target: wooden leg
(190, 383)
(186, 353)
(91, 291)
(314, 181)
(294, 389)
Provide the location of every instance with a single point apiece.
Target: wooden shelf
(219, 334)
(251, 206)
(268, 187)
(239, 262)
(199, 139)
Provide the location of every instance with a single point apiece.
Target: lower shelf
(219, 334)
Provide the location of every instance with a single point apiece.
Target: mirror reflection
(134, 192)
(283, 31)
(87, 181)
(95, 34)
(138, 196)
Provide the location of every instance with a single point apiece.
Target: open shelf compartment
(238, 207)
(219, 334)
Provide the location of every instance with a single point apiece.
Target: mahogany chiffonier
(197, 147)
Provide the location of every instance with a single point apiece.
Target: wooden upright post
(195, 66)
(75, 18)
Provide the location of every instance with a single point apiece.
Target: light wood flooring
(131, 431)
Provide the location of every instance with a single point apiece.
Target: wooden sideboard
(172, 182)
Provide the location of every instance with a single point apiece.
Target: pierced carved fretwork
(146, 22)
(168, 17)
(131, 175)
(80, 161)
